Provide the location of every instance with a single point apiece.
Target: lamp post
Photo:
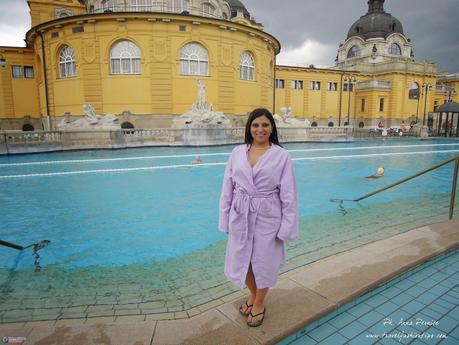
(427, 87)
(350, 81)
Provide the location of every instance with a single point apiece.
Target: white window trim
(67, 62)
(194, 60)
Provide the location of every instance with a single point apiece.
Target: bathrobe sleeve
(226, 197)
(288, 230)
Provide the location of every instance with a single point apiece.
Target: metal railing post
(453, 192)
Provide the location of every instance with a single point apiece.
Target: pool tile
(353, 329)
(342, 320)
(426, 298)
(449, 341)
(445, 304)
(417, 277)
(360, 309)
(405, 284)
(387, 308)
(372, 317)
(432, 313)
(362, 339)
(401, 299)
(376, 300)
(454, 313)
(455, 333)
(428, 283)
(413, 307)
(446, 324)
(286, 341)
(451, 299)
(304, 340)
(334, 340)
(321, 332)
(391, 292)
(415, 290)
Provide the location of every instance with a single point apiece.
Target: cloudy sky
(310, 31)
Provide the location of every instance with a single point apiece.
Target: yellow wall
(44, 10)
(159, 88)
(18, 96)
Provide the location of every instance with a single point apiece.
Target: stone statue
(201, 94)
(201, 113)
(90, 121)
(286, 120)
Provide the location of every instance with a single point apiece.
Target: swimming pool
(135, 231)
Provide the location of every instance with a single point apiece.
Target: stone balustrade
(13, 142)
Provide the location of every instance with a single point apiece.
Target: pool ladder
(453, 191)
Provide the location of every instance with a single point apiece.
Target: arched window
(127, 125)
(331, 124)
(353, 52)
(314, 124)
(395, 49)
(361, 124)
(67, 62)
(414, 91)
(125, 58)
(208, 10)
(194, 60)
(247, 66)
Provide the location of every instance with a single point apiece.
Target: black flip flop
(242, 311)
(259, 322)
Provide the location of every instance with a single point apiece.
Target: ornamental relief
(62, 12)
(226, 55)
(89, 51)
(160, 50)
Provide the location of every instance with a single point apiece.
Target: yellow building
(140, 59)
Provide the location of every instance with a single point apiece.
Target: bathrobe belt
(247, 204)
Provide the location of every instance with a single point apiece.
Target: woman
(258, 209)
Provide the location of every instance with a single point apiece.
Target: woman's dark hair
(255, 114)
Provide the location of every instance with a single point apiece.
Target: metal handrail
(453, 192)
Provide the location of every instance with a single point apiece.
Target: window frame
(247, 66)
(381, 104)
(67, 62)
(197, 58)
(354, 51)
(128, 61)
(297, 84)
(279, 83)
(332, 86)
(395, 49)
(314, 85)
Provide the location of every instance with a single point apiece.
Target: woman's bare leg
(258, 304)
(252, 285)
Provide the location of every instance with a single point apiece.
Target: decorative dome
(376, 23)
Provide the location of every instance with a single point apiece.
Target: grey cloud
(431, 25)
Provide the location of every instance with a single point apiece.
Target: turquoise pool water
(139, 227)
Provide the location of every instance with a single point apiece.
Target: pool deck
(301, 296)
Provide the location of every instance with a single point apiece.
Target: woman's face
(261, 129)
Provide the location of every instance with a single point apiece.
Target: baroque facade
(140, 59)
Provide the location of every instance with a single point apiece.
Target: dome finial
(375, 6)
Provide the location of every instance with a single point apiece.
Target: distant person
(197, 160)
(379, 173)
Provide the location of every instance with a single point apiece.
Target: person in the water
(379, 173)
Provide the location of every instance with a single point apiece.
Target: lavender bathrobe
(258, 210)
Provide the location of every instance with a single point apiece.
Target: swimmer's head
(380, 171)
